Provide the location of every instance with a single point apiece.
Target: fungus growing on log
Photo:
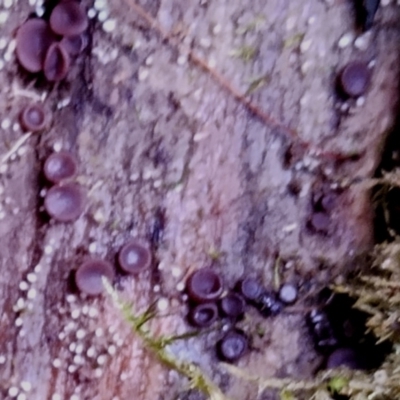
(33, 118)
(355, 78)
(33, 39)
(60, 166)
(134, 257)
(288, 293)
(204, 285)
(232, 305)
(68, 19)
(232, 346)
(89, 276)
(203, 315)
(74, 44)
(65, 202)
(56, 63)
(250, 289)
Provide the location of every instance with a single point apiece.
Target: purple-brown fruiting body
(204, 285)
(68, 19)
(288, 293)
(343, 357)
(74, 44)
(56, 63)
(33, 39)
(33, 118)
(203, 315)
(65, 202)
(320, 222)
(232, 305)
(250, 289)
(60, 166)
(134, 257)
(88, 277)
(355, 78)
(232, 346)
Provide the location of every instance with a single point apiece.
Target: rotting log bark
(168, 154)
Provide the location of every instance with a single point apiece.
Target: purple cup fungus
(203, 315)
(56, 63)
(134, 257)
(88, 277)
(355, 78)
(288, 293)
(33, 118)
(204, 285)
(250, 289)
(320, 222)
(65, 202)
(60, 166)
(74, 44)
(343, 357)
(68, 18)
(33, 39)
(232, 305)
(232, 346)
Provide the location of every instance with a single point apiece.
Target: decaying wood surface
(169, 154)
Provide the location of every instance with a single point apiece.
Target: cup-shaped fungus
(204, 285)
(33, 118)
(232, 346)
(56, 63)
(89, 276)
(355, 79)
(343, 357)
(250, 289)
(60, 166)
(134, 257)
(232, 305)
(288, 293)
(74, 44)
(203, 315)
(68, 19)
(33, 39)
(65, 202)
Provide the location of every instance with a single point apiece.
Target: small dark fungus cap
(65, 202)
(343, 357)
(320, 222)
(56, 63)
(288, 293)
(355, 79)
(134, 257)
(232, 305)
(88, 277)
(232, 346)
(203, 315)
(328, 201)
(33, 118)
(33, 39)
(204, 285)
(68, 19)
(74, 44)
(250, 289)
(60, 166)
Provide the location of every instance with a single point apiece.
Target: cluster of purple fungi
(48, 46)
(208, 303)
(65, 202)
